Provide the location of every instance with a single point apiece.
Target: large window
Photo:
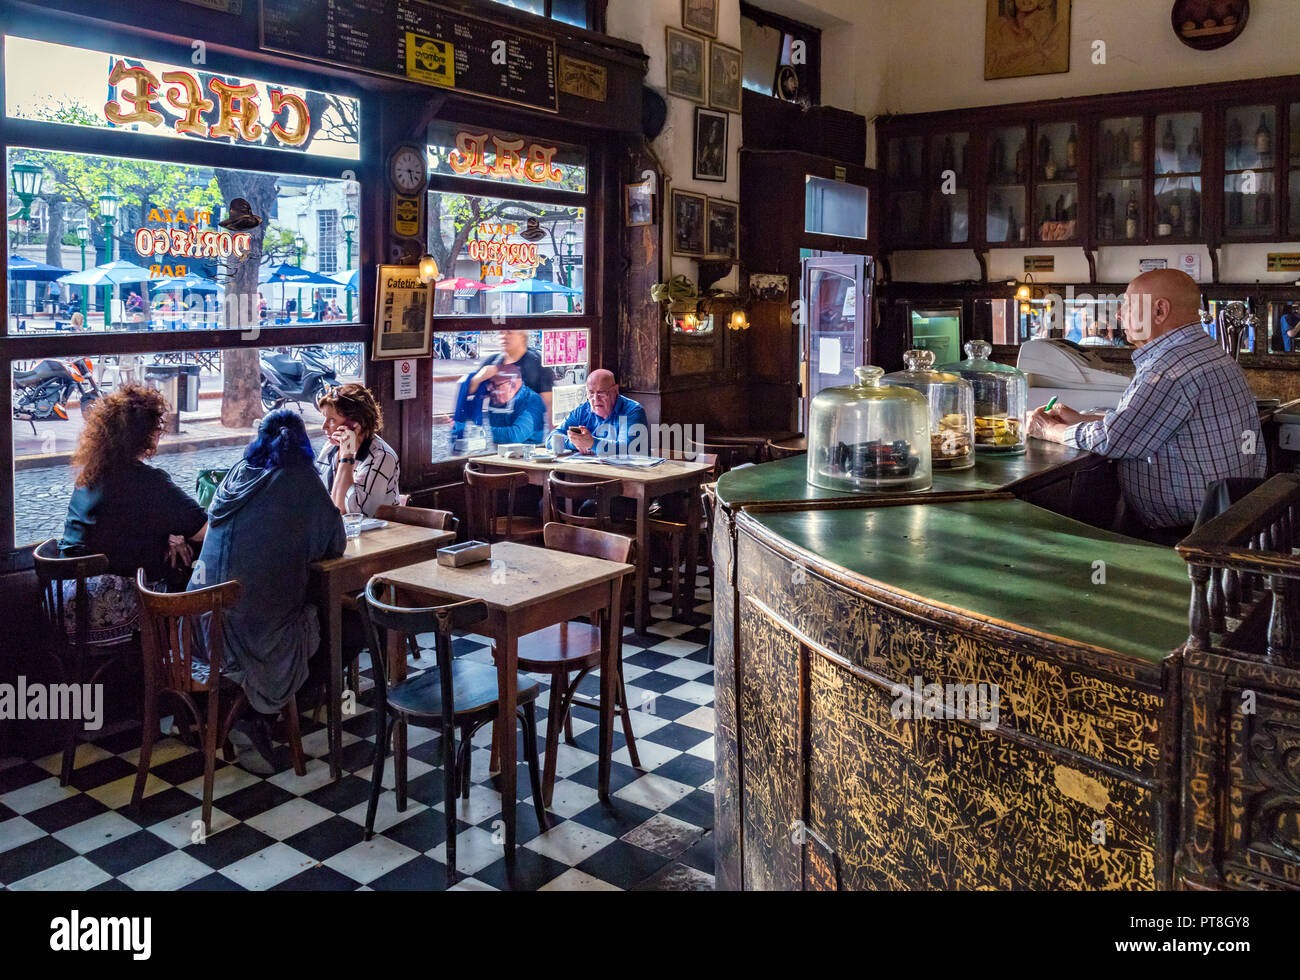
(781, 57)
(575, 12)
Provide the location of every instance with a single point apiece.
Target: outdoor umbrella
(189, 283)
(533, 286)
(348, 279)
(114, 273)
(21, 268)
(286, 274)
(460, 283)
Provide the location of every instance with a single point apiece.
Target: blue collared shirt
(522, 419)
(1187, 419)
(626, 424)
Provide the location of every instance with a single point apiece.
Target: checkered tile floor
(286, 832)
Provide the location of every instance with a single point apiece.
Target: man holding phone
(607, 423)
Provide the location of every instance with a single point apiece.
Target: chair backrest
(594, 544)
(52, 570)
(380, 612)
(481, 492)
(778, 450)
(565, 497)
(726, 455)
(174, 632)
(436, 520)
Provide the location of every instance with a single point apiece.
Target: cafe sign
(48, 82)
(511, 158)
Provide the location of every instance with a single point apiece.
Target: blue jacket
(522, 420)
(613, 434)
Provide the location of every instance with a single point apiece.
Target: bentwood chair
(567, 499)
(668, 536)
(456, 693)
(570, 651)
(483, 492)
(184, 651)
(76, 658)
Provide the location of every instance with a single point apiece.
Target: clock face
(407, 170)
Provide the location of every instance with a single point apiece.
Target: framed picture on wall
(685, 65)
(403, 313)
(640, 202)
(690, 213)
(1026, 38)
(724, 218)
(710, 144)
(700, 16)
(724, 77)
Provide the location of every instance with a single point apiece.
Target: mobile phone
(575, 430)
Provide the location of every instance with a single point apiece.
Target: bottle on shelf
(1107, 149)
(1121, 148)
(1137, 149)
(1060, 207)
(1072, 150)
(1106, 227)
(1164, 228)
(998, 162)
(1044, 151)
(1263, 137)
(1131, 217)
(1191, 219)
(1049, 168)
(1175, 215)
(1194, 150)
(1236, 209)
(1022, 164)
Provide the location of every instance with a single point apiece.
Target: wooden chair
(668, 537)
(725, 454)
(77, 660)
(455, 694)
(564, 648)
(482, 490)
(177, 668)
(436, 520)
(564, 499)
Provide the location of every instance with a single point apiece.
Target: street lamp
(83, 239)
(349, 223)
(300, 245)
(108, 202)
(26, 180)
(568, 241)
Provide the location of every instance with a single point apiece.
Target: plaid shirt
(1188, 418)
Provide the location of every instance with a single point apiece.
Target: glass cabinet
(1006, 214)
(1249, 194)
(1056, 182)
(906, 182)
(949, 169)
(1177, 155)
(1121, 184)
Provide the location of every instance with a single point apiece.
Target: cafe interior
(673, 445)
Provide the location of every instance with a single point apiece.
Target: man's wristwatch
(348, 459)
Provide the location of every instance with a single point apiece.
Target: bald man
(607, 422)
(1187, 419)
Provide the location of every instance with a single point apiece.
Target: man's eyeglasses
(600, 391)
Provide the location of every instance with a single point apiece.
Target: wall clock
(1209, 24)
(406, 169)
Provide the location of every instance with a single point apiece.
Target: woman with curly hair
(126, 509)
(358, 467)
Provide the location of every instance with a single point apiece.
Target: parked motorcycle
(304, 378)
(43, 392)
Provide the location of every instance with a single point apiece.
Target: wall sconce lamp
(428, 268)
(739, 320)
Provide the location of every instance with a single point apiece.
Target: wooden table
(642, 486)
(527, 589)
(374, 551)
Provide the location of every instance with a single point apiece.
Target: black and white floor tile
(287, 832)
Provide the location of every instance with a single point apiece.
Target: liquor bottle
(1194, 150)
(1072, 150)
(1060, 207)
(1263, 137)
(1170, 141)
(1164, 228)
(1021, 163)
(1131, 219)
(1108, 217)
(1044, 150)
(998, 162)
(1107, 151)
(1191, 221)
(1049, 168)
(1235, 209)
(1175, 214)
(1121, 148)
(1137, 149)
(948, 157)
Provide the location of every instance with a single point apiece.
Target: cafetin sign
(58, 83)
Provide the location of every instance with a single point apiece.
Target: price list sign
(419, 42)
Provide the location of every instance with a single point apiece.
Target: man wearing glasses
(607, 423)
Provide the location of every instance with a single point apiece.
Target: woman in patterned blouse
(359, 469)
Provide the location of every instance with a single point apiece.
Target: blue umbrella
(534, 286)
(115, 273)
(348, 280)
(286, 274)
(21, 268)
(189, 282)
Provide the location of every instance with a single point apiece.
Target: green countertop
(1009, 561)
(784, 480)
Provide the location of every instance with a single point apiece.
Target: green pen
(1050, 405)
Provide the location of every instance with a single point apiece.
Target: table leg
(610, 645)
(333, 619)
(692, 546)
(641, 615)
(508, 691)
(396, 654)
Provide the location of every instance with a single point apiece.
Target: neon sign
(512, 158)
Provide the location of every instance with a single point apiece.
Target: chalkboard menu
(417, 41)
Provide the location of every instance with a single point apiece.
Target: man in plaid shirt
(1187, 419)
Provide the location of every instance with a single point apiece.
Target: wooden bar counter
(832, 610)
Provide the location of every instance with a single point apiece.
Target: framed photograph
(724, 77)
(640, 201)
(700, 16)
(690, 212)
(685, 65)
(403, 313)
(768, 286)
(710, 144)
(1026, 37)
(724, 219)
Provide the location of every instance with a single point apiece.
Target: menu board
(419, 42)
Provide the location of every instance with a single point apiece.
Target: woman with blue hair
(270, 519)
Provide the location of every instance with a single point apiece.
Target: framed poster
(689, 216)
(1026, 37)
(640, 202)
(724, 77)
(710, 144)
(685, 65)
(403, 313)
(723, 220)
(700, 16)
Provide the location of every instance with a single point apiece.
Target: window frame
(812, 36)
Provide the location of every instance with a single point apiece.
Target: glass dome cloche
(869, 436)
(1001, 394)
(952, 409)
